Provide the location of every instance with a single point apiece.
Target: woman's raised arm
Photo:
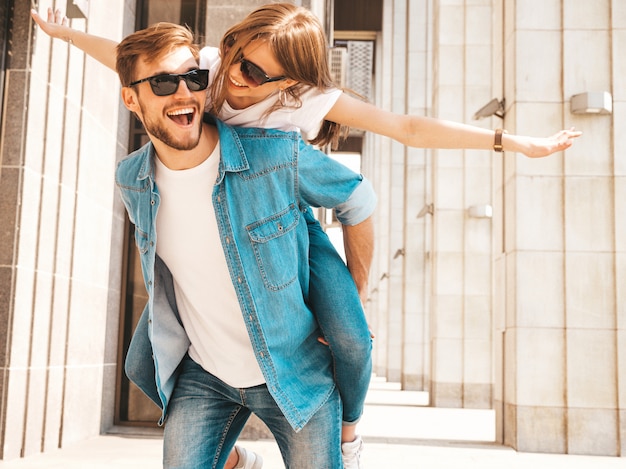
(426, 132)
(101, 49)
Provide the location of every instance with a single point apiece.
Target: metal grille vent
(359, 70)
(337, 60)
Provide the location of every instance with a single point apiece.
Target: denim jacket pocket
(273, 239)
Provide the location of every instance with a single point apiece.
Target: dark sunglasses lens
(197, 80)
(165, 85)
(252, 73)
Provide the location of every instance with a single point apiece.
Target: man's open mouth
(182, 116)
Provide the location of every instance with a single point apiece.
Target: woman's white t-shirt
(307, 118)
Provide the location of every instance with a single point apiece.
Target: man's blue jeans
(335, 301)
(205, 417)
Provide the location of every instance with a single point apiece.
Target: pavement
(398, 429)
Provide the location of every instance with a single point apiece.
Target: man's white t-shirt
(188, 241)
(307, 118)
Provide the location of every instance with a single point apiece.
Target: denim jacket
(266, 180)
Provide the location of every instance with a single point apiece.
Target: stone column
(399, 294)
(59, 220)
(561, 322)
(417, 255)
(461, 312)
(376, 166)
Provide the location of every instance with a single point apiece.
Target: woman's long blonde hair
(296, 37)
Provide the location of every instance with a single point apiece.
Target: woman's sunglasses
(254, 75)
(167, 84)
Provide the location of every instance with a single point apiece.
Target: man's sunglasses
(167, 83)
(254, 75)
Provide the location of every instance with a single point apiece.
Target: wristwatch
(497, 140)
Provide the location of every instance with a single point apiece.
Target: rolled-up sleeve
(324, 182)
(359, 206)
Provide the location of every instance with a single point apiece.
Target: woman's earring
(282, 97)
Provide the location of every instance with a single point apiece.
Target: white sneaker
(351, 454)
(248, 459)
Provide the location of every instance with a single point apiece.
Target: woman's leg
(334, 299)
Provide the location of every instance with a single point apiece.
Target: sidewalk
(398, 431)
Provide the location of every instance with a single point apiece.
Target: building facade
(498, 282)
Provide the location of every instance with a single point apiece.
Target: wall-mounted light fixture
(480, 211)
(492, 108)
(599, 102)
(426, 209)
(77, 8)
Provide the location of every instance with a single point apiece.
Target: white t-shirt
(188, 241)
(307, 118)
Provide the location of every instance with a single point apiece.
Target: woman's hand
(539, 147)
(102, 49)
(56, 26)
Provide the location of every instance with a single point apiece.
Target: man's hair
(150, 45)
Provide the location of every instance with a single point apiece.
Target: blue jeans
(335, 301)
(205, 417)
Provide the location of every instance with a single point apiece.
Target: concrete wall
(61, 237)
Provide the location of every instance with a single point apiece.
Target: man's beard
(166, 136)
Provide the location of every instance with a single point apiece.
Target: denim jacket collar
(147, 167)
(233, 158)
